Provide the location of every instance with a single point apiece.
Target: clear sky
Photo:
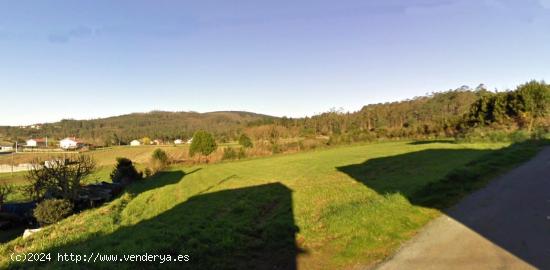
(88, 59)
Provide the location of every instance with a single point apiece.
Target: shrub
(276, 148)
(241, 153)
(52, 210)
(125, 172)
(490, 135)
(148, 172)
(5, 191)
(229, 153)
(519, 136)
(159, 161)
(245, 141)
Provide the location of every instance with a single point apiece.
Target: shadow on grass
(158, 180)
(245, 228)
(432, 141)
(423, 177)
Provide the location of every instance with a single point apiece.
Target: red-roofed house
(38, 142)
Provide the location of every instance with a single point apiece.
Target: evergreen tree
(203, 143)
(245, 141)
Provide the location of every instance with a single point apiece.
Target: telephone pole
(13, 157)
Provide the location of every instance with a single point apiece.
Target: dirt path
(503, 226)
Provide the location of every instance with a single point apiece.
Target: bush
(148, 172)
(519, 136)
(229, 153)
(52, 210)
(241, 153)
(159, 161)
(125, 172)
(276, 148)
(245, 141)
(491, 135)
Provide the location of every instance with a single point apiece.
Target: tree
(59, 178)
(159, 160)
(535, 100)
(125, 172)
(203, 143)
(245, 141)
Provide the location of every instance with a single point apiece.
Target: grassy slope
(18, 181)
(107, 156)
(350, 205)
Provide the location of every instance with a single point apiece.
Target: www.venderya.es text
(99, 257)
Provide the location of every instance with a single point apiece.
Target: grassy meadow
(104, 156)
(342, 207)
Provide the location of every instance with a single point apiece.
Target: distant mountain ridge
(440, 114)
(154, 124)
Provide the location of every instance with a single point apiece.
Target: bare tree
(59, 178)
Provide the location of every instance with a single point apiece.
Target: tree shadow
(432, 141)
(515, 223)
(245, 228)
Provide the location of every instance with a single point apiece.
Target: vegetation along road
(503, 226)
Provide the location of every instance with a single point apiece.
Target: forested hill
(155, 125)
(441, 114)
(437, 114)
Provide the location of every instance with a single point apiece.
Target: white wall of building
(135, 143)
(68, 144)
(31, 143)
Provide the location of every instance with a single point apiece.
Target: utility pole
(12, 161)
(13, 157)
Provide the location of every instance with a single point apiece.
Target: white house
(178, 141)
(36, 142)
(6, 149)
(135, 143)
(31, 143)
(70, 143)
(190, 141)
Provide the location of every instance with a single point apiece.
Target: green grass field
(337, 208)
(105, 156)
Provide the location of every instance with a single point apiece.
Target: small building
(38, 142)
(135, 143)
(190, 141)
(6, 149)
(156, 142)
(71, 143)
(178, 141)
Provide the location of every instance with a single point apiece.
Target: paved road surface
(503, 226)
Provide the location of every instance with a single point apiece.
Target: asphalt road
(506, 225)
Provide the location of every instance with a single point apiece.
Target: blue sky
(88, 59)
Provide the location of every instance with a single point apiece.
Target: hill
(155, 125)
(442, 114)
(432, 115)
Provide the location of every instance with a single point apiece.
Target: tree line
(441, 114)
